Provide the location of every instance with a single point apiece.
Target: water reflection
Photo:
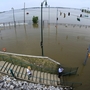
(1, 35)
(48, 34)
(56, 33)
(25, 32)
(78, 37)
(9, 26)
(82, 69)
(61, 49)
(4, 26)
(67, 37)
(35, 25)
(16, 35)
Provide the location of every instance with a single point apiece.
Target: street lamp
(57, 18)
(24, 12)
(14, 18)
(42, 24)
(48, 14)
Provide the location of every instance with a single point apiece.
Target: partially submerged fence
(39, 63)
(44, 64)
(45, 23)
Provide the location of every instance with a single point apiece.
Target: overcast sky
(8, 4)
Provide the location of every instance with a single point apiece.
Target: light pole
(24, 12)
(42, 24)
(57, 17)
(14, 18)
(49, 14)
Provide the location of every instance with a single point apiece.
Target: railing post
(12, 73)
(21, 64)
(2, 58)
(88, 51)
(11, 59)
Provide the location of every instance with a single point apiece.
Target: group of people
(60, 72)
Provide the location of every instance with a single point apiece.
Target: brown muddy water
(67, 45)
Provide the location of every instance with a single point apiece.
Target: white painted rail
(43, 57)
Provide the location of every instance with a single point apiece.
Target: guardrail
(46, 22)
(49, 64)
(30, 56)
(52, 68)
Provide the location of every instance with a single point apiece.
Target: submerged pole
(88, 51)
(42, 29)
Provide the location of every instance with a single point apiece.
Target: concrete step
(45, 78)
(55, 79)
(52, 82)
(24, 72)
(26, 76)
(20, 72)
(17, 71)
(38, 76)
(48, 77)
(2, 64)
(58, 81)
(3, 69)
(12, 66)
(41, 80)
(15, 68)
(35, 76)
(32, 75)
(7, 68)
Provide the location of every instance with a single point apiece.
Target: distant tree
(35, 19)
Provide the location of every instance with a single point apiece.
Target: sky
(6, 5)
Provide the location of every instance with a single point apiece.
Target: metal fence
(39, 63)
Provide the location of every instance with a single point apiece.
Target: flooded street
(67, 45)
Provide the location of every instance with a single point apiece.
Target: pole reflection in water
(25, 32)
(48, 34)
(67, 37)
(26, 40)
(16, 35)
(82, 69)
(1, 35)
(56, 33)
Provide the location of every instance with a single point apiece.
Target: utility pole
(24, 12)
(87, 55)
(49, 14)
(42, 25)
(57, 17)
(14, 18)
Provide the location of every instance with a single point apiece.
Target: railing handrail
(59, 23)
(44, 57)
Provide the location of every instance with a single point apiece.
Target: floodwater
(67, 45)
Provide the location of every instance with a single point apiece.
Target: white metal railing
(44, 57)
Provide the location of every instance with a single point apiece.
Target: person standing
(60, 71)
(29, 72)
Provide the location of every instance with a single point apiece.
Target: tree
(35, 19)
